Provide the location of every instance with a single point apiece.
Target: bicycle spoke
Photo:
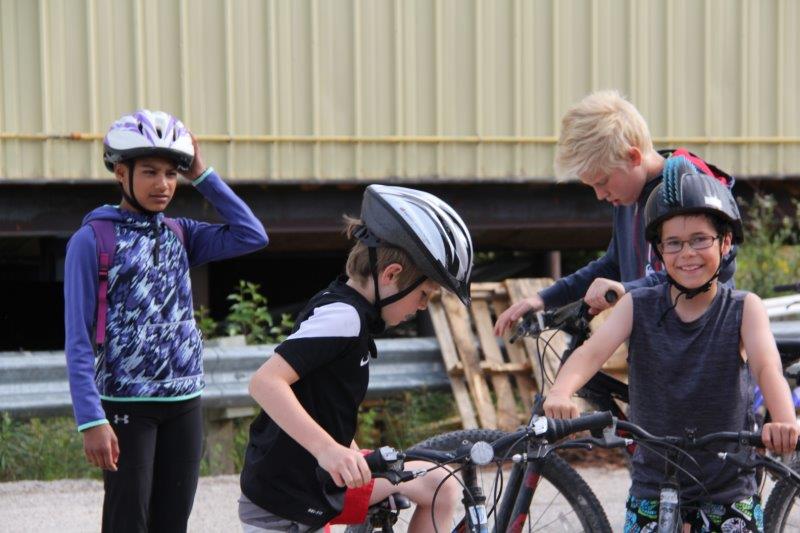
(542, 514)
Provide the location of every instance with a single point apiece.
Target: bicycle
(479, 456)
(511, 509)
(670, 503)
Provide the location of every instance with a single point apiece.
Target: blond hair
(596, 134)
(358, 267)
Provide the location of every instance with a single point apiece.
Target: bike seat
(394, 502)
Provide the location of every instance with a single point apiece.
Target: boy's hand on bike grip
(602, 294)
(508, 317)
(101, 447)
(346, 467)
(780, 437)
(560, 407)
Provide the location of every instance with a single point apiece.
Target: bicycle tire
(556, 472)
(782, 511)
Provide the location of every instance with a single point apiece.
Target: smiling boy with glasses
(694, 347)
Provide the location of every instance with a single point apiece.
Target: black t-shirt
(330, 349)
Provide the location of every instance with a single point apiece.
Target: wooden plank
(450, 357)
(507, 418)
(461, 331)
(523, 368)
(551, 345)
(516, 354)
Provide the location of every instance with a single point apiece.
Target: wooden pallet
(493, 381)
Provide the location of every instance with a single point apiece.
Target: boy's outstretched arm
(588, 359)
(270, 386)
(781, 434)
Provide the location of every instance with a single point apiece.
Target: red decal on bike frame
(532, 481)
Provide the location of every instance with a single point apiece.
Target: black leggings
(160, 445)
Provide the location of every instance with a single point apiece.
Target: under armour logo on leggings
(118, 419)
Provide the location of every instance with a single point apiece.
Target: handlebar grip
(376, 462)
(754, 439)
(554, 429)
(611, 296)
(792, 287)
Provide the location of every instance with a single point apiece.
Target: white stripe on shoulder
(337, 319)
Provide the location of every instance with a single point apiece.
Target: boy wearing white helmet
(409, 244)
(134, 353)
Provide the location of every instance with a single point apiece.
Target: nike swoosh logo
(365, 361)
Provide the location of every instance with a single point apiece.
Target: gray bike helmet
(428, 229)
(686, 191)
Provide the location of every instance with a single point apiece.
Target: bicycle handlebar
(748, 438)
(571, 312)
(792, 287)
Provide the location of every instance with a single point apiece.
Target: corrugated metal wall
(408, 89)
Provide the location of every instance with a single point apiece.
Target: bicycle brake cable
(678, 449)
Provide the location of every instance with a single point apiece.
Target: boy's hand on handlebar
(561, 407)
(346, 466)
(595, 296)
(101, 447)
(780, 437)
(510, 316)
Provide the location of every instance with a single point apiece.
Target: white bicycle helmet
(428, 229)
(148, 133)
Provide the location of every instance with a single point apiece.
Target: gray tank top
(689, 375)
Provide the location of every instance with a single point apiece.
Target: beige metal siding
(406, 89)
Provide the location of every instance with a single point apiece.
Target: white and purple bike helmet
(147, 134)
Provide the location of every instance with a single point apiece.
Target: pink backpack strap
(106, 244)
(706, 168)
(176, 228)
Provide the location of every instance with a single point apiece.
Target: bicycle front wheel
(562, 501)
(782, 512)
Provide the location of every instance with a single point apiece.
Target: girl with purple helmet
(134, 352)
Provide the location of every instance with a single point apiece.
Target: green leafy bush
(42, 449)
(769, 255)
(248, 315)
(403, 420)
(208, 326)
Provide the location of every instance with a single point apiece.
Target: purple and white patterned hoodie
(153, 349)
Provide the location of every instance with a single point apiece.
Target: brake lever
(744, 459)
(395, 477)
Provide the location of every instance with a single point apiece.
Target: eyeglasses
(699, 242)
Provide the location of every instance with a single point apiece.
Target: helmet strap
(372, 243)
(383, 302)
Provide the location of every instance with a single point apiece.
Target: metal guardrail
(35, 383)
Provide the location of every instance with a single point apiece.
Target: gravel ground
(69, 506)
